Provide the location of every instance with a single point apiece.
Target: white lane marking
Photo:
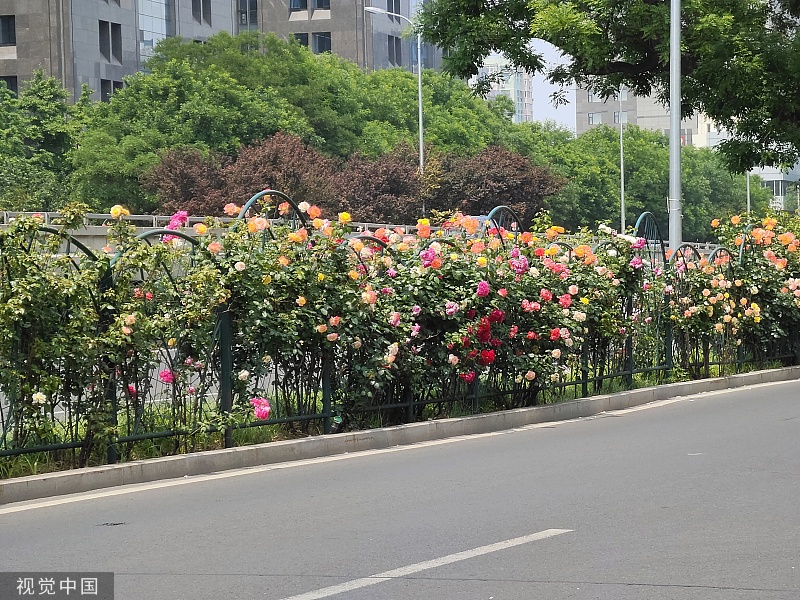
(133, 488)
(349, 586)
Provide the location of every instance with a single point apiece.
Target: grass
(38, 463)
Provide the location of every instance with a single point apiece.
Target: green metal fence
(182, 391)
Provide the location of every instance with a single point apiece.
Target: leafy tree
(282, 162)
(13, 125)
(36, 131)
(495, 176)
(325, 90)
(174, 106)
(44, 102)
(740, 60)
(185, 178)
(381, 190)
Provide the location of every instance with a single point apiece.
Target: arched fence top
(503, 218)
(647, 227)
(368, 239)
(745, 246)
(70, 240)
(602, 245)
(159, 233)
(722, 258)
(145, 236)
(686, 257)
(296, 212)
(562, 246)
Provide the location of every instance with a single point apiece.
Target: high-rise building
(515, 84)
(623, 109)
(98, 42)
(373, 41)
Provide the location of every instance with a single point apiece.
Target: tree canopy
(740, 59)
(213, 123)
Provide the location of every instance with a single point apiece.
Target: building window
(621, 117)
(107, 88)
(248, 14)
(116, 41)
(623, 95)
(111, 41)
(11, 82)
(393, 6)
(105, 40)
(298, 5)
(322, 4)
(595, 118)
(321, 42)
(302, 39)
(8, 30)
(594, 97)
(201, 11)
(395, 51)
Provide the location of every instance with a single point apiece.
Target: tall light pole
(674, 200)
(621, 169)
(380, 11)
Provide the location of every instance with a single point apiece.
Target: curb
(201, 463)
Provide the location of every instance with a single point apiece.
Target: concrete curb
(171, 467)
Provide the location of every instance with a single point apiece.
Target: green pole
(226, 371)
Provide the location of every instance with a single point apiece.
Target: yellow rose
(118, 211)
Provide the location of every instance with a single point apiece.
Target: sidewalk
(201, 463)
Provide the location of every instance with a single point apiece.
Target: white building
(697, 130)
(512, 83)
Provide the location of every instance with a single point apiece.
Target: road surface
(695, 498)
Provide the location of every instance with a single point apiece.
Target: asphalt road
(691, 499)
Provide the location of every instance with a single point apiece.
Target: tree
(44, 102)
(36, 132)
(740, 60)
(282, 162)
(174, 106)
(326, 90)
(495, 176)
(385, 189)
(185, 178)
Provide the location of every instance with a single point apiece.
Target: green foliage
(739, 59)
(423, 317)
(36, 131)
(590, 165)
(172, 106)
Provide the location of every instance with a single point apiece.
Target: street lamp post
(674, 200)
(621, 168)
(380, 11)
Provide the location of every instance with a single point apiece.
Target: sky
(543, 108)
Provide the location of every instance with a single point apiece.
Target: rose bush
(385, 324)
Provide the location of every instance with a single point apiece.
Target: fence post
(112, 454)
(628, 370)
(585, 369)
(226, 371)
(668, 337)
(327, 405)
(110, 392)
